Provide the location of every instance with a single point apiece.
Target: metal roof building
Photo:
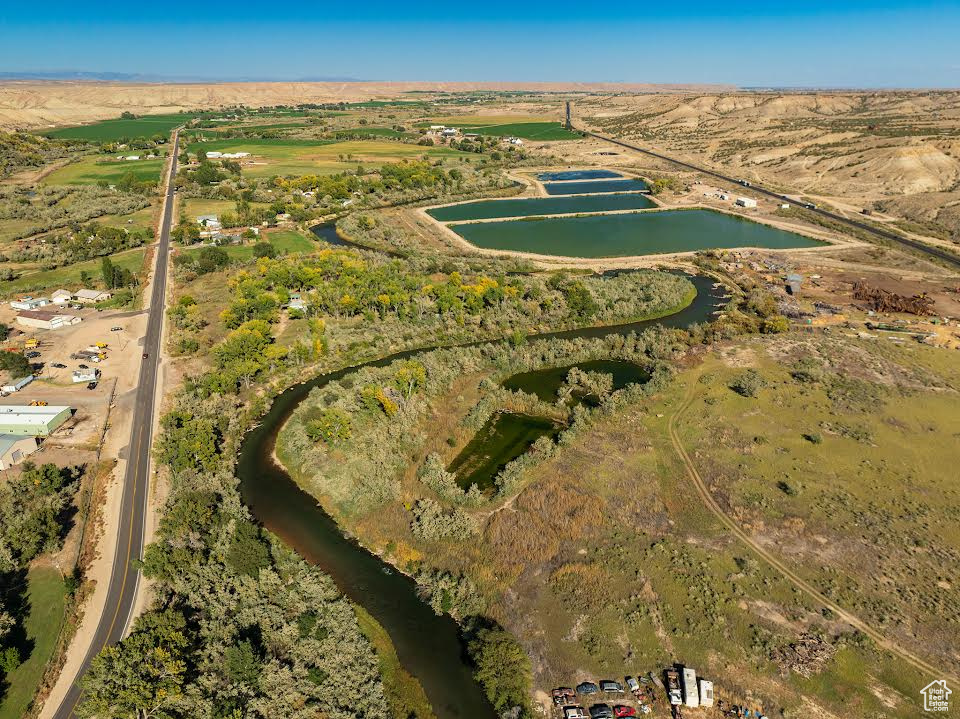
(26, 421)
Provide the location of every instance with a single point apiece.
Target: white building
(233, 155)
(17, 384)
(515, 141)
(86, 375)
(44, 320)
(92, 296)
(132, 157)
(688, 680)
(214, 155)
(24, 421)
(14, 449)
(449, 132)
(29, 303)
(706, 693)
(746, 202)
(61, 297)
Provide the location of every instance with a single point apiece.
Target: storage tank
(691, 696)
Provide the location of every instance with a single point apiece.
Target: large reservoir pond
(578, 175)
(576, 188)
(642, 233)
(531, 206)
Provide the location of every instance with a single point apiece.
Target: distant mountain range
(138, 77)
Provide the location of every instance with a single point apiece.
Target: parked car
(587, 688)
(624, 711)
(563, 695)
(116, 329)
(83, 366)
(145, 355)
(31, 355)
(91, 385)
(601, 711)
(608, 685)
(59, 365)
(574, 712)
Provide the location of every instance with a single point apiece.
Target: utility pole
(569, 121)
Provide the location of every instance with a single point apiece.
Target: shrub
(748, 384)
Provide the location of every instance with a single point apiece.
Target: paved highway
(124, 577)
(943, 255)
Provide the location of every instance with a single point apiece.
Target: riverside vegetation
(238, 619)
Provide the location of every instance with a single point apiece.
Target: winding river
(428, 646)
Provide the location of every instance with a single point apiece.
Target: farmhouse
(13, 449)
(29, 303)
(92, 296)
(61, 297)
(25, 421)
(449, 132)
(41, 319)
(17, 384)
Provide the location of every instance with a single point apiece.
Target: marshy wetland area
(465, 406)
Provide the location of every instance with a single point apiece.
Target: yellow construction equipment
(38, 403)
(31, 343)
(102, 345)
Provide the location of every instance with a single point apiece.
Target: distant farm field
(301, 157)
(114, 130)
(526, 130)
(486, 120)
(91, 170)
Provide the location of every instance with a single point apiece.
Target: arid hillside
(895, 151)
(41, 104)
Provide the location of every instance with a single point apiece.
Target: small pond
(532, 206)
(576, 188)
(545, 382)
(503, 438)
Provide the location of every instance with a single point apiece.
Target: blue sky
(801, 44)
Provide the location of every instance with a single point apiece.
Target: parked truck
(673, 687)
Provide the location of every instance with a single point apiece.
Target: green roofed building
(26, 421)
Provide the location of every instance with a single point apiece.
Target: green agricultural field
(69, 276)
(375, 131)
(288, 156)
(46, 597)
(91, 170)
(526, 130)
(119, 129)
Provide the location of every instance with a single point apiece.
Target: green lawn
(114, 130)
(91, 170)
(289, 156)
(286, 241)
(526, 130)
(46, 595)
(69, 276)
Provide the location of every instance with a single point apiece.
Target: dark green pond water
(642, 233)
(574, 188)
(530, 206)
(503, 438)
(545, 382)
(428, 646)
(578, 175)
